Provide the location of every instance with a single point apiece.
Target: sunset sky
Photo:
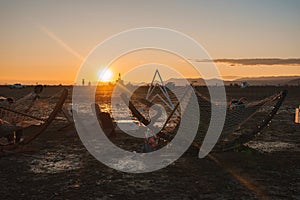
(46, 41)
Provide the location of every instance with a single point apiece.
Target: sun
(105, 75)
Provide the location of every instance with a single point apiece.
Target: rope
(23, 114)
(53, 108)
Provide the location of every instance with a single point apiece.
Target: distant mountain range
(255, 81)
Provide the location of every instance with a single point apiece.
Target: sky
(47, 41)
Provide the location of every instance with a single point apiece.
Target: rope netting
(236, 131)
(31, 110)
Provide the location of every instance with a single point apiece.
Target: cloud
(254, 61)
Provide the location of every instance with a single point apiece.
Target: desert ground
(57, 165)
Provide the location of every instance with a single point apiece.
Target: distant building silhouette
(119, 80)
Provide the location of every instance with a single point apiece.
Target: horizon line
(57, 83)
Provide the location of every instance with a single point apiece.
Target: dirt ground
(59, 167)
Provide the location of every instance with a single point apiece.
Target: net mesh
(242, 122)
(30, 110)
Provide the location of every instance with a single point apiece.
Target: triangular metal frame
(162, 88)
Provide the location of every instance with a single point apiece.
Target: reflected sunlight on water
(270, 147)
(55, 162)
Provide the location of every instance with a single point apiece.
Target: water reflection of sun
(105, 75)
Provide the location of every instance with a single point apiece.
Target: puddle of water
(128, 163)
(55, 162)
(269, 147)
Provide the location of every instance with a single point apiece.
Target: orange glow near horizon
(63, 63)
(47, 42)
(128, 65)
(62, 66)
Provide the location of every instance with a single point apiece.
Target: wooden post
(297, 116)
